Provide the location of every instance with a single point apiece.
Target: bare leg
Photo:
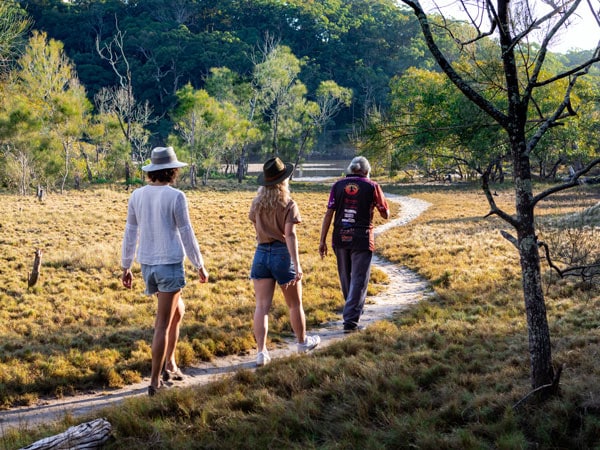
(170, 363)
(293, 298)
(263, 290)
(167, 304)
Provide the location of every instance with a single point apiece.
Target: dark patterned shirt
(354, 199)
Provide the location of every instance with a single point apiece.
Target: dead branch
(86, 435)
(35, 273)
(510, 238)
(586, 272)
(547, 389)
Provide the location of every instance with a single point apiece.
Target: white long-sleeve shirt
(158, 223)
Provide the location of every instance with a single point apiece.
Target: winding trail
(405, 288)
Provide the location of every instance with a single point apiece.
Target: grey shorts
(163, 277)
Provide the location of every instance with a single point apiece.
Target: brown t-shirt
(270, 226)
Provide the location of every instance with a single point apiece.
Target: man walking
(351, 204)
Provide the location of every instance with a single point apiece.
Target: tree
(331, 98)
(227, 86)
(514, 24)
(48, 106)
(13, 25)
(276, 77)
(209, 128)
(16, 169)
(120, 101)
(430, 114)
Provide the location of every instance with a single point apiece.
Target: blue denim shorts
(273, 261)
(163, 277)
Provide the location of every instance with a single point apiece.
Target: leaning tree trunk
(35, 271)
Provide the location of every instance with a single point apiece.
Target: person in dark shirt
(351, 205)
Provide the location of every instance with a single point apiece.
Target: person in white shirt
(158, 224)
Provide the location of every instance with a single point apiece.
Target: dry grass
(78, 328)
(445, 374)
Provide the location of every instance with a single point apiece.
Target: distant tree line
(359, 44)
(88, 87)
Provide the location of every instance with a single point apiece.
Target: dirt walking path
(405, 288)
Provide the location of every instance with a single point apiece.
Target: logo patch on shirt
(351, 189)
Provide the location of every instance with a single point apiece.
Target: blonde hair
(269, 198)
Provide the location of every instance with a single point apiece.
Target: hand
(297, 278)
(127, 278)
(202, 275)
(323, 250)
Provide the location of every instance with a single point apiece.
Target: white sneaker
(263, 358)
(309, 343)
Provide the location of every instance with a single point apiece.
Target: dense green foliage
(294, 78)
(358, 44)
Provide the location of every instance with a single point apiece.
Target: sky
(584, 34)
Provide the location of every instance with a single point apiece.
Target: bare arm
(291, 241)
(324, 230)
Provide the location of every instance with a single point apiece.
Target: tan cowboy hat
(274, 172)
(163, 158)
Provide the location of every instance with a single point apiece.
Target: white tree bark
(87, 435)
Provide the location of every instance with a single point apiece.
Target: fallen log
(87, 435)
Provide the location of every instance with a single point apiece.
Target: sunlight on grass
(78, 301)
(443, 374)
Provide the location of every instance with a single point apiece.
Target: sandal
(175, 375)
(152, 391)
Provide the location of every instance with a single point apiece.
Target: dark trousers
(354, 269)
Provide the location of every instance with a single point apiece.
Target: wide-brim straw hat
(163, 158)
(274, 172)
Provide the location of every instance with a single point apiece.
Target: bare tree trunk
(193, 180)
(40, 193)
(67, 148)
(127, 174)
(23, 161)
(241, 169)
(88, 169)
(35, 272)
(303, 140)
(542, 372)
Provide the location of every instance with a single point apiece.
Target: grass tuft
(444, 374)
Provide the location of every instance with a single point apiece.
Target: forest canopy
(300, 79)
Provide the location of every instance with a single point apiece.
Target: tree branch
(585, 272)
(494, 209)
(551, 387)
(445, 65)
(574, 181)
(510, 238)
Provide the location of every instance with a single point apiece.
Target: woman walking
(158, 224)
(276, 261)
